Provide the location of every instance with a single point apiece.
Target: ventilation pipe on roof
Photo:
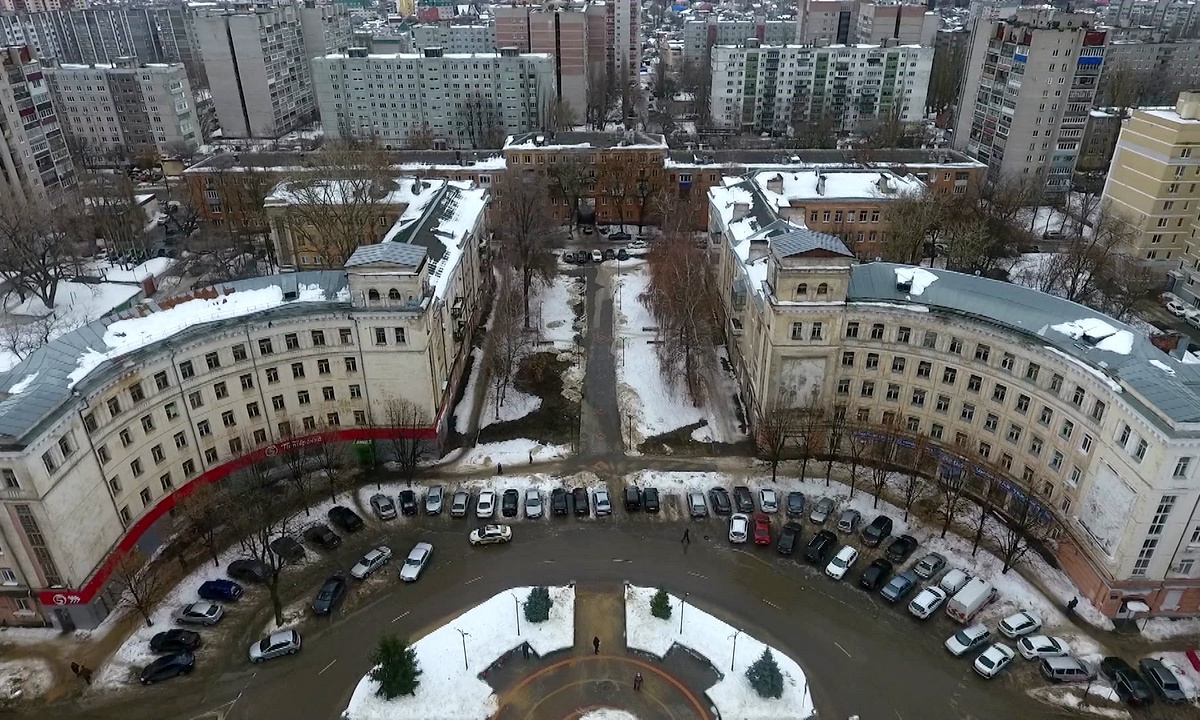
(820, 183)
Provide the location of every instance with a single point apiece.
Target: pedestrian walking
(75, 669)
(530, 457)
(596, 644)
(525, 650)
(86, 673)
(687, 536)
(499, 469)
(637, 681)
(1071, 605)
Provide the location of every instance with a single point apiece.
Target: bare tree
(41, 245)
(142, 583)
(859, 448)
(119, 220)
(571, 178)
(1025, 522)
(599, 95)
(773, 430)
(421, 138)
(526, 231)
(295, 465)
(835, 432)
(560, 115)
(22, 339)
(809, 430)
(619, 184)
(988, 482)
(695, 78)
(882, 455)
(645, 189)
(506, 339)
(200, 512)
(257, 521)
(332, 458)
(949, 65)
(918, 461)
(1126, 283)
(406, 421)
(950, 489)
(484, 120)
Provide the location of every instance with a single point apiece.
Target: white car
(927, 602)
(485, 506)
(277, 644)
(491, 535)
(602, 503)
(954, 581)
(840, 564)
(991, 661)
(1176, 308)
(371, 562)
(1036, 647)
(739, 528)
(434, 499)
(533, 504)
(768, 500)
(1018, 624)
(967, 639)
(415, 562)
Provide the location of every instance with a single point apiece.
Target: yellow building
(406, 7)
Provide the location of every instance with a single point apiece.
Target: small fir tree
(537, 605)
(396, 669)
(660, 605)
(764, 676)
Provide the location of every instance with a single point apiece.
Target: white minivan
(967, 602)
(841, 562)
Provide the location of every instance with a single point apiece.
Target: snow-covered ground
(607, 714)
(557, 323)
(1156, 629)
(733, 695)
(1188, 676)
(514, 406)
(24, 679)
(512, 452)
(1072, 697)
(462, 411)
(446, 690)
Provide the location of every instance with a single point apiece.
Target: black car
(877, 531)
(558, 502)
(610, 254)
(510, 502)
(1130, 686)
(620, 236)
(248, 571)
(794, 507)
(579, 497)
(175, 641)
(633, 498)
(876, 575)
(743, 499)
(323, 536)
(820, 547)
(650, 500)
(167, 667)
(220, 590)
(901, 548)
(408, 502)
(718, 497)
(288, 549)
(345, 518)
(789, 535)
(622, 254)
(330, 594)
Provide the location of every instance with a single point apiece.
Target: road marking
(331, 662)
(473, 580)
(399, 616)
(621, 560)
(772, 604)
(696, 574)
(898, 713)
(842, 649)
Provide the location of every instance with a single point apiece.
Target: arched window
(823, 289)
(373, 295)
(393, 294)
(802, 289)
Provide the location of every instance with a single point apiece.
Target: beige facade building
(561, 32)
(901, 23)
(35, 162)
(830, 22)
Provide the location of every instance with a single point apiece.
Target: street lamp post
(517, 606)
(682, 605)
(464, 646)
(733, 656)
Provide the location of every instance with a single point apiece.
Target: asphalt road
(862, 656)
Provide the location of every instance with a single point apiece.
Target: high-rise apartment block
(901, 23)
(624, 17)
(830, 22)
(563, 32)
(1031, 79)
(1160, 70)
(34, 159)
(125, 109)
(700, 35)
(455, 38)
(1174, 19)
(757, 88)
(463, 100)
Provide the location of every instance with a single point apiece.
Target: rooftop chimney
(1188, 105)
(820, 183)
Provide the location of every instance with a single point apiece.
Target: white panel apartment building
(624, 21)
(455, 38)
(388, 97)
(755, 88)
(34, 159)
(699, 35)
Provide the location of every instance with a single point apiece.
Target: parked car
(929, 566)
(383, 506)
(321, 535)
(1036, 647)
(743, 499)
(602, 503)
(345, 518)
(620, 236)
(900, 548)
(991, 661)
(330, 595)
(622, 254)
(249, 571)
(408, 502)
(434, 499)
(927, 602)
(842, 562)
(876, 575)
(167, 667)
(533, 504)
(174, 641)
(696, 506)
(1130, 686)
(597, 256)
(288, 549)
(588, 230)
(610, 254)
(579, 497)
(372, 561)
(633, 498)
(848, 521)
(224, 590)
(1065, 669)
(794, 506)
(878, 531)
(490, 535)
(199, 613)
(277, 644)
(974, 596)
(768, 500)
(460, 504)
(789, 536)
(967, 639)
(899, 586)
(1176, 308)
(1018, 624)
(1163, 680)
(416, 561)
(762, 529)
(485, 505)
(739, 528)
(558, 502)
(721, 504)
(954, 581)
(822, 511)
(650, 500)
(510, 503)
(820, 547)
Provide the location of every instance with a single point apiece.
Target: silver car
(822, 510)
(372, 561)
(601, 501)
(277, 644)
(460, 504)
(415, 562)
(433, 500)
(768, 500)
(199, 613)
(696, 505)
(533, 504)
(383, 506)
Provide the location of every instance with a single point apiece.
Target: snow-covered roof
(402, 191)
(390, 253)
(632, 140)
(813, 184)
(442, 226)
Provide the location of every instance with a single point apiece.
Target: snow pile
(1159, 629)
(23, 384)
(920, 278)
(26, 679)
(515, 405)
(446, 690)
(1163, 366)
(1098, 333)
(732, 695)
(607, 714)
(1072, 697)
(1188, 677)
(462, 411)
(512, 452)
(558, 321)
(77, 304)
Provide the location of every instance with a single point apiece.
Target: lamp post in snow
(682, 605)
(464, 645)
(733, 655)
(517, 606)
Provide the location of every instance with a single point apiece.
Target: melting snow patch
(1112, 384)
(22, 384)
(919, 278)
(1099, 333)
(1163, 366)
(607, 714)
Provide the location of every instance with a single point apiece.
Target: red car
(762, 529)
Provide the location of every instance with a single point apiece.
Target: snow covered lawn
(556, 306)
(515, 406)
(1072, 697)
(732, 695)
(24, 680)
(607, 714)
(446, 690)
(512, 452)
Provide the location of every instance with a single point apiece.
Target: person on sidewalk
(596, 644)
(637, 681)
(75, 669)
(687, 536)
(85, 672)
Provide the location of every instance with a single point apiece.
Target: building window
(351, 365)
(160, 381)
(252, 410)
(260, 437)
(277, 402)
(949, 376)
(974, 383)
(303, 397)
(185, 369)
(318, 338)
(843, 387)
(49, 462)
(872, 361)
(1014, 433)
(332, 420)
(265, 347)
(355, 392)
(147, 423)
(936, 431)
(1140, 452)
(868, 389)
(893, 392)
(272, 375)
(968, 413)
(291, 341)
(1077, 397)
(309, 422)
(360, 417)
(848, 359)
(1181, 467)
(991, 422)
(126, 516)
(380, 336)
(189, 468)
(322, 367)
(877, 331)
(930, 340)
(1045, 416)
(89, 423)
(203, 429)
(1022, 404)
(180, 440)
(985, 449)
(816, 331)
(1066, 430)
(157, 454)
(247, 381)
(924, 369)
(195, 399)
(982, 353)
(1035, 446)
(239, 352)
(956, 346)
(136, 467)
(1008, 361)
(212, 360)
(345, 336)
(918, 398)
(126, 437)
(136, 393)
(1142, 564)
(999, 393)
(1098, 411)
(221, 390)
(1086, 444)
(166, 482)
(328, 394)
(297, 370)
(210, 455)
(797, 331)
(897, 364)
(114, 407)
(903, 335)
(235, 446)
(852, 330)
(1056, 383)
(943, 403)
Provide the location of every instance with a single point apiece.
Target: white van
(954, 581)
(967, 602)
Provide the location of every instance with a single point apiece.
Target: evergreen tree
(396, 669)
(764, 676)
(537, 605)
(660, 605)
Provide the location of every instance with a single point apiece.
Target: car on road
(434, 499)
(927, 602)
(696, 506)
(372, 561)
(510, 503)
(967, 639)
(1035, 647)
(345, 518)
(416, 561)
(558, 502)
(762, 529)
(1176, 308)
(383, 506)
(743, 499)
(650, 500)
(637, 244)
(633, 498)
(485, 505)
(849, 520)
(579, 498)
(1018, 624)
(533, 504)
(408, 502)
(842, 562)
(167, 667)
(322, 536)
(1130, 686)
(249, 571)
(954, 581)
(899, 586)
(794, 505)
(721, 504)
(601, 501)
(175, 640)
(739, 528)
(900, 548)
(991, 661)
(1065, 669)
(876, 575)
(621, 236)
(460, 504)
(597, 256)
(822, 510)
(820, 547)
(588, 230)
(224, 590)
(930, 565)
(199, 613)
(878, 531)
(1163, 680)
(789, 536)
(768, 500)
(277, 644)
(288, 549)
(330, 595)
(490, 535)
